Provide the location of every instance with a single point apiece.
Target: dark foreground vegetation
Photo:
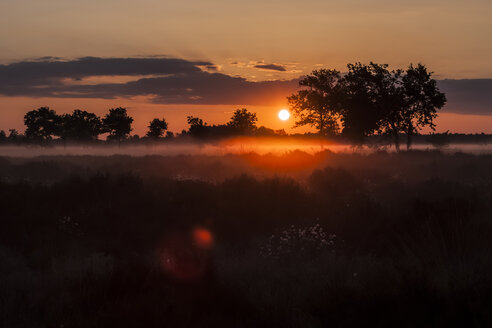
(338, 240)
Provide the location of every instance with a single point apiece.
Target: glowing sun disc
(284, 115)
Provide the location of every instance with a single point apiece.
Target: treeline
(44, 126)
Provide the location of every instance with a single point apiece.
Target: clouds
(165, 80)
(49, 69)
(273, 67)
(468, 96)
(178, 81)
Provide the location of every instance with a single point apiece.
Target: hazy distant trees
(368, 99)
(197, 128)
(263, 131)
(42, 124)
(14, 135)
(243, 122)
(117, 123)
(80, 126)
(157, 128)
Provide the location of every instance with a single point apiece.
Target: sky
(176, 58)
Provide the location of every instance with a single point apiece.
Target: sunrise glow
(284, 115)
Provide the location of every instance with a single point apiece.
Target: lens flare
(284, 115)
(202, 237)
(186, 255)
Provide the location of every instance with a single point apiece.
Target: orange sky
(143, 112)
(452, 37)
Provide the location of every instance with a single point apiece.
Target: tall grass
(343, 240)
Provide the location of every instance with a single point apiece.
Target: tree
(117, 123)
(439, 140)
(243, 121)
(13, 135)
(368, 99)
(422, 99)
(369, 96)
(80, 126)
(157, 128)
(373, 101)
(42, 124)
(318, 103)
(3, 136)
(197, 128)
(263, 131)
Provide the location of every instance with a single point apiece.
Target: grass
(108, 241)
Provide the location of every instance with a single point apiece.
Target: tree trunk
(409, 137)
(396, 137)
(397, 141)
(409, 141)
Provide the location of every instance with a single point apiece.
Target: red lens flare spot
(183, 259)
(202, 237)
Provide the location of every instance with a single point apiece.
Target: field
(292, 239)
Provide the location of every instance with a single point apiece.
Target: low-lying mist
(228, 159)
(240, 145)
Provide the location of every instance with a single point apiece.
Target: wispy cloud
(273, 67)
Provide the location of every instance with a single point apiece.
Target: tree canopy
(243, 121)
(368, 99)
(80, 126)
(117, 123)
(41, 124)
(157, 128)
(318, 103)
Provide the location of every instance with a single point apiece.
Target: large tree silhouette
(318, 103)
(369, 96)
(422, 99)
(42, 124)
(157, 128)
(117, 123)
(368, 99)
(80, 126)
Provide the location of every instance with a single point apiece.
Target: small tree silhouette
(243, 121)
(13, 135)
(42, 124)
(157, 128)
(117, 123)
(80, 126)
(197, 128)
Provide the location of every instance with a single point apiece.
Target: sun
(284, 115)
